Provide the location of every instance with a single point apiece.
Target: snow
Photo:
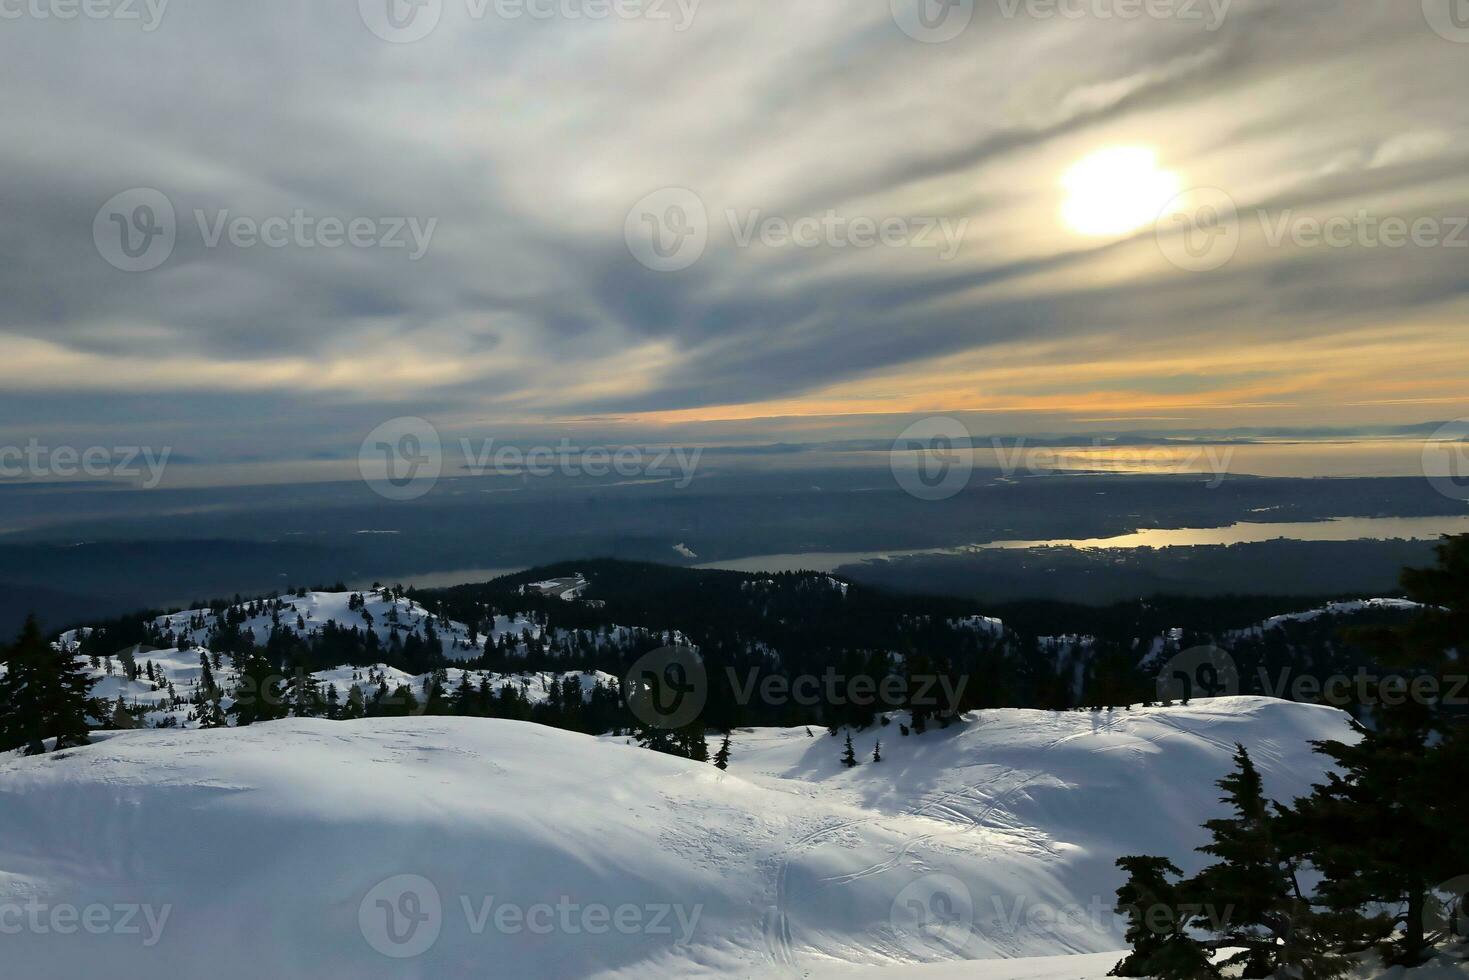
(1088, 967)
(567, 589)
(269, 845)
(182, 669)
(1339, 609)
(384, 616)
(1091, 967)
(309, 614)
(980, 624)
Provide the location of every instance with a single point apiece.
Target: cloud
(529, 139)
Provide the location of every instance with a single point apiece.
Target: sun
(1116, 190)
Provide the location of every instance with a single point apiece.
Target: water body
(1338, 529)
(437, 580)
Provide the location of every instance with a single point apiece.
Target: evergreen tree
(1159, 917)
(657, 739)
(1431, 647)
(44, 693)
(121, 719)
(436, 701)
(356, 704)
(1383, 829)
(1437, 637)
(466, 698)
(1251, 896)
(402, 703)
(128, 657)
(212, 714)
(721, 758)
(1406, 783)
(877, 751)
(693, 743)
(849, 757)
(259, 696)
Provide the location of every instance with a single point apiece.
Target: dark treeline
(784, 649)
(752, 629)
(1052, 656)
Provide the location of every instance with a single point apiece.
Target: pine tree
(259, 696)
(44, 693)
(1440, 633)
(436, 702)
(212, 714)
(1385, 828)
(403, 703)
(129, 659)
(721, 758)
(1251, 896)
(466, 698)
(877, 751)
(1382, 830)
(657, 739)
(1159, 916)
(121, 719)
(691, 741)
(1432, 646)
(356, 704)
(303, 694)
(849, 757)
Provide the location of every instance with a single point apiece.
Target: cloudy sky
(260, 230)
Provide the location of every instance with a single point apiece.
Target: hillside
(268, 845)
(535, 629)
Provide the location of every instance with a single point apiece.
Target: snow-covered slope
(1336, 609)
(1096, 966)
(384, 613)
(278, 850)
(178, 674)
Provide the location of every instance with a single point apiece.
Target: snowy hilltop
(436, 846)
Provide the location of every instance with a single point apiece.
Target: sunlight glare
(1116, 190)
